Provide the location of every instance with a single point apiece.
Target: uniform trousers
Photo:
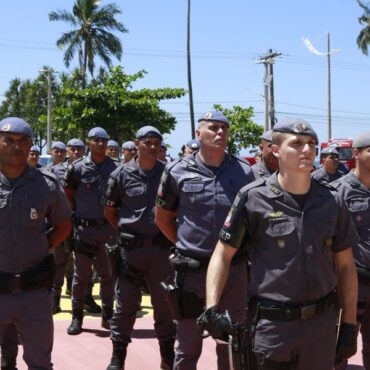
(31, 313)
(189, 340)
(152, 266)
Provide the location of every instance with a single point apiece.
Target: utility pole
(329, 89)
(268, 61)
(49, 134)
(190, 85)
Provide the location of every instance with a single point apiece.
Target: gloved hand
(347, 342)
(218, 324)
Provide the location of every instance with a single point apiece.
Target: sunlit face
(128, 154)
(33, 158)
(362, 157)
(98, 146)
(14, 149)
(213, 135)
(58, 155)
(331, 162)
(75, 152)
(296, 153)
(112, 151)
(148, 148)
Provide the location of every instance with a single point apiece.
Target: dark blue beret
(329, 150)
(35, 148)
(98, 133)
(15, 125)
(267, 135)
(148, 131)
(128, 145)
(76, 142)
(193, 144)
(59, 145)
(214, 115)
(113, 143)
(295, 126)
(362, 140)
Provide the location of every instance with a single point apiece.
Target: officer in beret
(58, 155)
(63, 252)
(129, 206)
(33, 157)
(191, 146)
(295, 230)
(354, 188)
(194, 197)
(30, 198)
(113, 150)
(85, 184)
(128, 151)
(330, 169)
(163, 153)
(268, 163)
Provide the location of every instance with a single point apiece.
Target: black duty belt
(204, 261)
(90, 221)
(134, 241)
(277, 311)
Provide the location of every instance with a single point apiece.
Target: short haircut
(278, 137)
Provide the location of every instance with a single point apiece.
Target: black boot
(8, 363)
(90, 305)
(69, 286)
(167, 354)
(117, 361)
(56, 304)
(106, 317)
(76, 325)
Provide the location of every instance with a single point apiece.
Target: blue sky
(227, 37)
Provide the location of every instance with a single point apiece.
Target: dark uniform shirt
(203, 196)
(134, 191)
(357, 198)
(290, 247)
(89, 180)
(25, 206)
(322, 175)
(60, 169)
(260, 170)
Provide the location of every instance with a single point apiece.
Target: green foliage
(243, 131)
(363, 38)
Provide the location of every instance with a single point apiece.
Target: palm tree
(91, 36)
(363, 38)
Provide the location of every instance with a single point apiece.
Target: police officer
(268, 163)
(33, 157)
(129, 207)
(193, 199)
(9, 348)
(128, 151)
(355, 190)
(58, 154)
(296, 230)
(85, 184)
(191, 146)
(113, 150)
(330, 169)
(63, 255)
(29, 198)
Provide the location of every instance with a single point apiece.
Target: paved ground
(91, 350)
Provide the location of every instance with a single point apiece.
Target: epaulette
(172, 164)
(326, 184)
(50, 176)
(254, 184)
(240, 159)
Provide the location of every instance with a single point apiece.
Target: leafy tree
(111, 102)
(91, 36)
(243, 131)
(363, 38)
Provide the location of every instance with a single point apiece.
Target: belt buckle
(308, 312)
(17, 287)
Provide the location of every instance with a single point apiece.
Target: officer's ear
(197, 133)
(275, 150)
(355, 153)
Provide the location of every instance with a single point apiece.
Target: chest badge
(33, 214)
(281, 243)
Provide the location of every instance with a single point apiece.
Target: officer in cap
(128, 151)
(295, 230)
(58, 155)
(194, 197)
(268, 163)
(191, 146)
(163, 153)
(113, 150)
(85, 184)
(354, 188)
(33, 157)
(130, 201)
(63, 252)
(330, 169)
(30, 198)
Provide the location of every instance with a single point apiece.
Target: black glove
(347, 342)
(218, 324)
